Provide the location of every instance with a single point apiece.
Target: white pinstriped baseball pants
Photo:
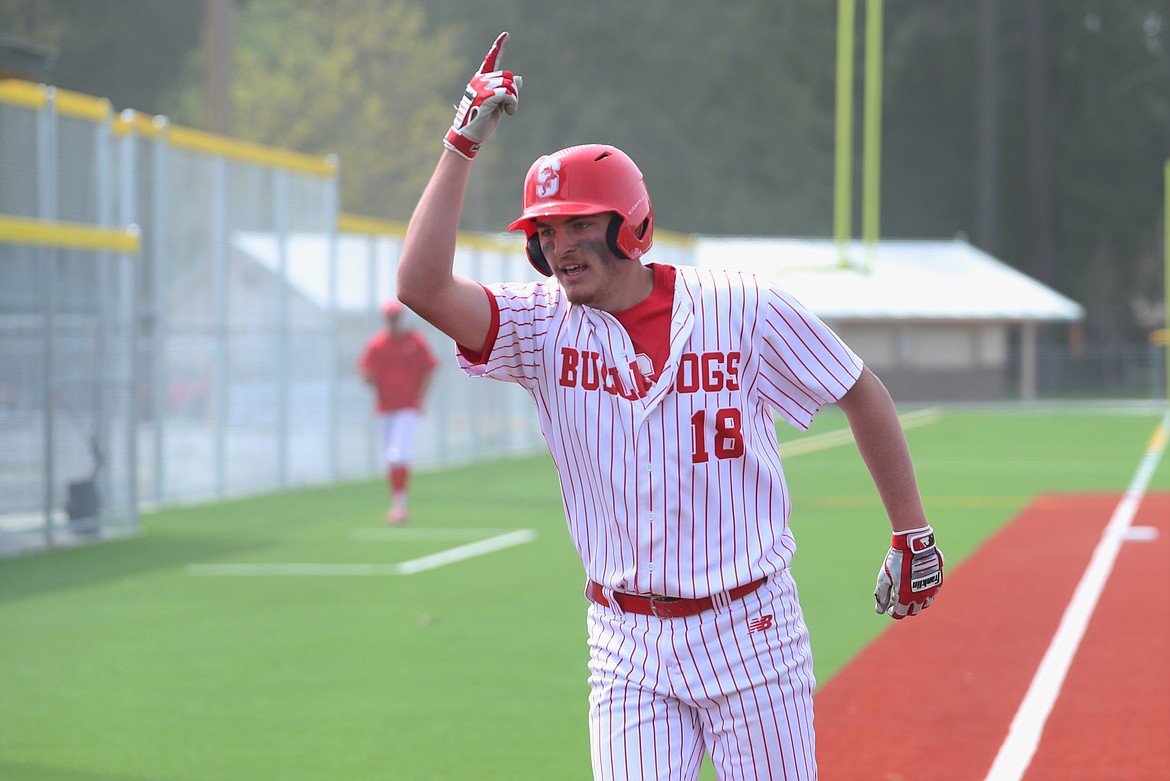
(736, 683)
(398, 429)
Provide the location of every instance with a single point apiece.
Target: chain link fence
(217, 356)
(181, 315)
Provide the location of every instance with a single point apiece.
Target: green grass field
(119, 663)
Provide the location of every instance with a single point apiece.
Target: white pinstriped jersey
(677, 488)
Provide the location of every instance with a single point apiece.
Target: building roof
(905, 280)
(899, 280)
(25, 59)
(307, 265)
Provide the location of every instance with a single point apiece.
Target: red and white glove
(489, 95)
(911, 574)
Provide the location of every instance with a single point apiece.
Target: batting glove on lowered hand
(489, 95)
(911, 575)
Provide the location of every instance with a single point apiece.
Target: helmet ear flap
(611, 236)
(536, 255)
(636, 239)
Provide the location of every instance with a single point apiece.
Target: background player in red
(657, 389)
(398, 363)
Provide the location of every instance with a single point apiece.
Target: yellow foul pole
(843, 173)
(872, 140)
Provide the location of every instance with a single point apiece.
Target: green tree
(1082, 137)
(132, 52)
(1109, 116)
(38, 21)
(365, 80)
(726, 107)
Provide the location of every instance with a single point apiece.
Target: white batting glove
(911, 575)
(489, 95)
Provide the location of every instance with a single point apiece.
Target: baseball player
(398, 363)
(656, 389)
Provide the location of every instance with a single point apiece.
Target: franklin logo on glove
(923, 583)
(913, 560)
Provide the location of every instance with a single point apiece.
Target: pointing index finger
(493, 55)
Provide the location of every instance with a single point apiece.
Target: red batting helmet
(589, 179)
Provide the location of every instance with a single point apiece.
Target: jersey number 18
(728, 434)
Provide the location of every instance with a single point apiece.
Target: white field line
(418, 534)
(293, 570)
(843, 436)
(421, 564)
(1024, 734)
(490, 545)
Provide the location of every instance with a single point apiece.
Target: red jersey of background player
(399, 365)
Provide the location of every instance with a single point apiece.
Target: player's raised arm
(426, 281)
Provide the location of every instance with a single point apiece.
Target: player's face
(582, 262)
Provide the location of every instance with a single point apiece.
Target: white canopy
(899, 280)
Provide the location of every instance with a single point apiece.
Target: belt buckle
(656, 600)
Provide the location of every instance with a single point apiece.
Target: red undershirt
(648, 321)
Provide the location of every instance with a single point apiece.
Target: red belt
(664, 607)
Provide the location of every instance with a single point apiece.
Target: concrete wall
(935, 361)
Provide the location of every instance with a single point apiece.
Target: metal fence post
(157, 314)
(332, 387)
(280, 208)
(47, 174)
(132, 307)
(104, 215)
(373, 442)
(220, 291)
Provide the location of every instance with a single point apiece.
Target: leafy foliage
(1041, 136)
(364, 80)
(131, 52)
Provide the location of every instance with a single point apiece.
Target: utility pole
(1039, 185)
(218, 57)
(987, 131)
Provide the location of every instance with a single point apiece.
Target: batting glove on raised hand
(489, 95)
(911, 575)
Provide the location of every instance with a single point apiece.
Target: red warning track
(932, 698)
